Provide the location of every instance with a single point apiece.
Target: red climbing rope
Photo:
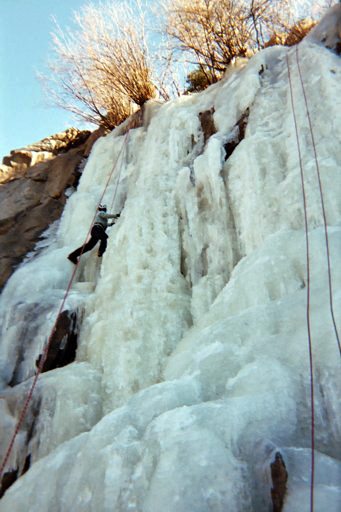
(312, 479)
(47, 346)
(322, 205)
(125, 145)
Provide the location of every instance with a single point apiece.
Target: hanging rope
(47, 346)
(322, 205)
(312, 478)
(118, 177)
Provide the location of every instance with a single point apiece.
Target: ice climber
(97, 233)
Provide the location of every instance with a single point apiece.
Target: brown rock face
(63, 343)
(240, 129)
(207, 124)
(32, 196)
(21, 159)
(279, 477)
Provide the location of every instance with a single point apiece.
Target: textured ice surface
(193, 349)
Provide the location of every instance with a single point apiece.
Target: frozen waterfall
(192, 364)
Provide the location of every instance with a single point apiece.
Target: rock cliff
(33, 181)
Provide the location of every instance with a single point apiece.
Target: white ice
(192, 367)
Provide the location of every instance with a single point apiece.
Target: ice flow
(192, 367)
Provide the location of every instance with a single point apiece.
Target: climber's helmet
(102, 208)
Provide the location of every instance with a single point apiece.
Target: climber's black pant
(97, 233)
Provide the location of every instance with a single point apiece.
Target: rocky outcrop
(207, 124)
(237, 134)
(62, 344)
(46, 149)
(32, 185)
(141, 117)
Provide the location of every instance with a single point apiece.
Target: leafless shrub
(101, 70)
(213, 33)
(106, 67)
(207, 32)
(268, 17)
(298, 31)
(292, 35)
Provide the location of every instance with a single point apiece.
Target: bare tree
(303, 16)
(101, 70)
(208, 31)
(267, 17)
(213, 33)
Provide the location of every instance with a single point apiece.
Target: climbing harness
(47, 346)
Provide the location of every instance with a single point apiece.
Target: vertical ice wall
(192, 368)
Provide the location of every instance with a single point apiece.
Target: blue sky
(25, 44)
(25, 27)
